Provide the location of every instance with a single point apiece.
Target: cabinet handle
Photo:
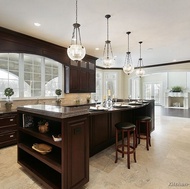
(11, 136)
(11, 119)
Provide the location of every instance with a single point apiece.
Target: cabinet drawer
(8, 136)
(7, 120)
(7, 129)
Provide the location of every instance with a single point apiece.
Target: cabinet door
(99, 132)
(83, 76)
(91, 81)
(74, 79)
(78, 151)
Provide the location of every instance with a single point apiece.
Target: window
(29, 75)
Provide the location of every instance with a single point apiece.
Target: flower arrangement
(8, 92)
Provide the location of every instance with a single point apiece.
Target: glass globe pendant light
(140, 71)
(108, 61)
(128, 67)
(76, 51)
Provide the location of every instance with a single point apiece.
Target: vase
(8, 106)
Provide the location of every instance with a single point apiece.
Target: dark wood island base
(83, 133)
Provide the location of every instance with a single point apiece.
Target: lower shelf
(48, 176)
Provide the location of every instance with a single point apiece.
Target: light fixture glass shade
(76, 52)
(140, 72)
(128, 68)
(108, 62)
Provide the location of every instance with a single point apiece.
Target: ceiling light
(108, 59)
(37, 24)
(140, 71)
(76, 51)
(128, 65)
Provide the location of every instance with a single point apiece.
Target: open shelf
(45, 137)
(51, 159)
(39, 170)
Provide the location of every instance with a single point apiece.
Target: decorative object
(176, 89)
(57, 138)
(76, 51)
(140, 71)
(108, 59)
(128, 67)
(42, 148)
(43, 126)
(8, 92)
(88, 99)
(58, 92)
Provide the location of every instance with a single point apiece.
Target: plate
(122, 106)
(42, 148)
(135, 103)
(97, 108)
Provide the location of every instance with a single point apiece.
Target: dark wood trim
(11, 41)
(151, 66)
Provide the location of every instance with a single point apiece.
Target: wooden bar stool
(128, 128)
(146, 121)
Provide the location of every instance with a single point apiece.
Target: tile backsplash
(68, 99)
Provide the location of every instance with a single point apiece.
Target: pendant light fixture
(140, 71)
(128, 65)
(108, 59)
(76, 51)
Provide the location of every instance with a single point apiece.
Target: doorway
(153, 91)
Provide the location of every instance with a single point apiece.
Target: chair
(129, 129)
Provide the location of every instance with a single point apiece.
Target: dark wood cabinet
(80, 76)
(67, 164)
(8, 129)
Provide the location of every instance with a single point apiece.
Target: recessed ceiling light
(97, 49)
(174, 60)
(37, 24)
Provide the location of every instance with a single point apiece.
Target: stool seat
(124, 125)
(129, 129)
(143, 118)
(146, 120)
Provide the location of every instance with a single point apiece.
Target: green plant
(176, 89)
(58, 92)
(8, 92)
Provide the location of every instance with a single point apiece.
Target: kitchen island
(83, 133)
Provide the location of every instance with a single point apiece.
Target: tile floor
(166, 165)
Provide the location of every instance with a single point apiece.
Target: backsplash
(69, 99)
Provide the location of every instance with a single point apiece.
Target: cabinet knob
(11, 119)
(11, 136)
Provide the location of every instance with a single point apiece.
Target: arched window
(30, 76)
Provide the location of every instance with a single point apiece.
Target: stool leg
(149, 127)
(123, 142)
(128, 149)
(116, 144)
(147, 135)
(134, 145)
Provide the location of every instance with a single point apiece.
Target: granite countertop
(55, 111)
(66, 112)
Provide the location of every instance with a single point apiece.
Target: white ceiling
(162, 25)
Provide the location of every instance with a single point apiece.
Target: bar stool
(146, 120)
(129, 128)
